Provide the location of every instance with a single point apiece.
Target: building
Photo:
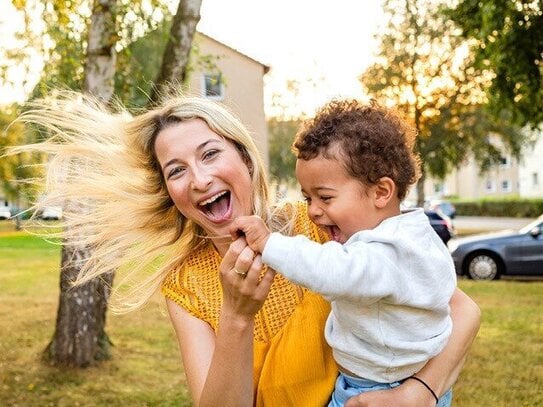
(510, 178)
(236, 80)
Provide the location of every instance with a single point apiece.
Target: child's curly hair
(374, 142)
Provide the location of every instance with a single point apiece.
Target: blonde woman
(166, 184)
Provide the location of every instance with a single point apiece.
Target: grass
(504, 368)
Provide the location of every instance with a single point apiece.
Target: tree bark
(101, 55)
(420, 190)
(80, 338)
(176, 54)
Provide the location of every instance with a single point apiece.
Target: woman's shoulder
(194, 284)
(300, 224)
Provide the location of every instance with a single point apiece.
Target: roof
(266, 67)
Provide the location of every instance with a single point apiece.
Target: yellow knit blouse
(293, 365)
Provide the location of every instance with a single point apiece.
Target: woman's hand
(244, 286)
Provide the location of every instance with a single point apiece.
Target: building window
(505, 162)
(213, 86)
(506, 186)
(490, 186)
(535, 179)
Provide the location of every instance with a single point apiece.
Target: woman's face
(205, 174)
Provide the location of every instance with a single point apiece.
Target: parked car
(490, 256)
(5, 212)
(446, 207)
(442, 224)
(51, 213)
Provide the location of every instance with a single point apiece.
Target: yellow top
(293, 365)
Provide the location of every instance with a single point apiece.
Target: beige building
(467, 182)
(235, 80)
(511, 177)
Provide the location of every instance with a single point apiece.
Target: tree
(282, 161)
(508, 41)
(422, 69)
(80, 337)
(176, 54)
(15, 169)
(87, 60)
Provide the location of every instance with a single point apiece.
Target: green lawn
(505, 367)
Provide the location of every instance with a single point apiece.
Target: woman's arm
(208, 358)
(441, 371)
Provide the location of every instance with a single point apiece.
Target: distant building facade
(510, 178)
(235, 80)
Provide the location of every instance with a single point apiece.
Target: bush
(511, 207)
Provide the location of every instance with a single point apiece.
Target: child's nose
(314, 211)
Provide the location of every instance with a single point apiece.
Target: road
(479, 224)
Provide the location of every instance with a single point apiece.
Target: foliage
(510, 207)
(63, 42)
(508, 40)
(139, 68)
(282, 160)
(15, 169)
(423, 69)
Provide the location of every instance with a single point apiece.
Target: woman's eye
(307, 199)
(175, 171)
(325, 198)
(210, 154)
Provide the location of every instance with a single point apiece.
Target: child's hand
(255, 230)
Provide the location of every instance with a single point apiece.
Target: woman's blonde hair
(102, 167)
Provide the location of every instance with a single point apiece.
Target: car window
(535, 224)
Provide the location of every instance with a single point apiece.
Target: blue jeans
(348, 386)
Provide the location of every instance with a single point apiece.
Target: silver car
(490, 256)
(5, 212)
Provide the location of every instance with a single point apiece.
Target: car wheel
(483, 266)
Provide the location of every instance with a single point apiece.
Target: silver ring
(242, 274)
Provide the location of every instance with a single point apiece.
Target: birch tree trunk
(80, 338)
(177, 51)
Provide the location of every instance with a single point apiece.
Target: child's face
(337, 202)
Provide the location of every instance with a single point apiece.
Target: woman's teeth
(212, 199)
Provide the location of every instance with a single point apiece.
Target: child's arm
(255, 230)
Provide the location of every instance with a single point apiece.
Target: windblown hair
(372, 142)
(104, 171)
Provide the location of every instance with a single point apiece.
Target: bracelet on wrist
(418, 379)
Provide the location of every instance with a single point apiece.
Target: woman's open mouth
(217, 208)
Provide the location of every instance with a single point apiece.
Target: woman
(167, 184)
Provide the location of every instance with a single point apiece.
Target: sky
(323, 45)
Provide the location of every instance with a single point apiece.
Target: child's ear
(385, 190)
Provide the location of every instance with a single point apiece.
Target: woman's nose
(201, 180)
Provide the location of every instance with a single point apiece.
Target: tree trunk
(80, 338)
(420, 190)
(101, 55)
(176, 54)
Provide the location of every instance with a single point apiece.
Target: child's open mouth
(334, 233)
